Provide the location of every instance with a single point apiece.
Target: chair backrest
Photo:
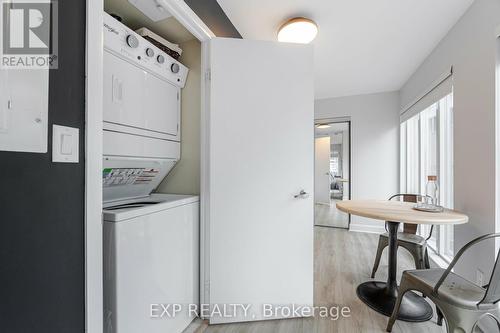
(493, 291)
(407, 227)
(492, 294)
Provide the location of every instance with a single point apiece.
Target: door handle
(301, 195)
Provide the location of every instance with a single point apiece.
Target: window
(334, 163)
(427, 150)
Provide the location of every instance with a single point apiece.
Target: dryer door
(136, 98)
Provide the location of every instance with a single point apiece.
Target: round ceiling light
(298, 30)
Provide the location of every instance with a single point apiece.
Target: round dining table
(381, 296)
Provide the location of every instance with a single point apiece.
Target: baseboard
(198, 325)
(372, 229)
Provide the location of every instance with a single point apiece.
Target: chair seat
(455, 289)
(408, 238)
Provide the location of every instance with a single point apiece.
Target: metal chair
(408, 239)
(461, 302)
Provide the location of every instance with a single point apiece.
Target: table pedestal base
(380, 298)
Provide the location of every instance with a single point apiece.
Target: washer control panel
(124, 42)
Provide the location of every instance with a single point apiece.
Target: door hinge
(208, 75)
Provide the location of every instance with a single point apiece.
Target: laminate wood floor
(330, 216)
(343, 260)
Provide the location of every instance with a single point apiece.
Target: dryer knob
(132, 41)
(160, 59)
(175, 68)
(150, 52)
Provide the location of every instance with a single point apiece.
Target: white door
(261, 155)
(322, 170)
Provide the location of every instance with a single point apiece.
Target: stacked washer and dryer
(150, 240)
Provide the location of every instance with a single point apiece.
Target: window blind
(442, 86)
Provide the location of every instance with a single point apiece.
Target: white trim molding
(93, 145)
(205, 174)
(497, 138)
(93, 168)
(185, 15)
(371, 229)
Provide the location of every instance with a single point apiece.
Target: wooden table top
(398, 211)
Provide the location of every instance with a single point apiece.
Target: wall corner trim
(93, 168)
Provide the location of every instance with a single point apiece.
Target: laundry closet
(206, 168)
(151, 168)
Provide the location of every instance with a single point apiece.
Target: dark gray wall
(42, 203)
(214, 17)
(41, 208)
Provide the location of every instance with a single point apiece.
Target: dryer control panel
(124, 42)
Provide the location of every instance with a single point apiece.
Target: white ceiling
(363, 46)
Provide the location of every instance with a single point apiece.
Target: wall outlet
(479, 278)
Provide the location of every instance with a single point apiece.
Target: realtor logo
(29, 34)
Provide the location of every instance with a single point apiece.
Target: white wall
(185, 177)
(374, 146)
(497, 248)
(345, 163)
(470, 47)
(322, 151)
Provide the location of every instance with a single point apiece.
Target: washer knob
(175, 68)
(160, 59)
(150, 52)
(132, 41)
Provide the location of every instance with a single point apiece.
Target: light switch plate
(65, 144)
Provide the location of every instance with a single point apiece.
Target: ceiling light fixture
(323, 126)
(298, 30)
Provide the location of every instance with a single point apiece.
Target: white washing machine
(151, 253)
(151, 258)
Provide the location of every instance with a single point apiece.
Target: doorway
(332, 172)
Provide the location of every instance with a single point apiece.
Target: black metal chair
(461, 302)
(408, 239)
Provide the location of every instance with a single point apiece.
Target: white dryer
(142, 87)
